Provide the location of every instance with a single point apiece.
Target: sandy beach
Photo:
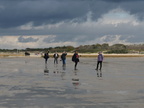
(70, 55)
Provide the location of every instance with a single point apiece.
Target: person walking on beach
(63, 58)
(75, 58)
(56, 56)
(99, 61)
(46, 56)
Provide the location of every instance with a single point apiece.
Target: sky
(51, 23)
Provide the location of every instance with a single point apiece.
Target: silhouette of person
(99, 61)
(63, 58)
(46, 56)
(56, 56)
(75, 58)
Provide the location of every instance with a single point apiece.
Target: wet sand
(28, 83)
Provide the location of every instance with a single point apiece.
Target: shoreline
(70, 55)
(113, 55)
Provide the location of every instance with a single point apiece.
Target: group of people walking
(56, 56)
(75, 59)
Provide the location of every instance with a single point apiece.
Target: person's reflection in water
(64, 67)
(75, 72)
(62, 75)
(99, 73)
(76, 84)
(75, 80)
(46, 71)
(56, 65)
(56, 68)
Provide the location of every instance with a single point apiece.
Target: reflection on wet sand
(23, 85)
(59, 72)
(62, 75)
(64, 67)
(99, 73)
(46, 71)
(75, 80)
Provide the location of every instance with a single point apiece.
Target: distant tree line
(106, 48)
(116, 48)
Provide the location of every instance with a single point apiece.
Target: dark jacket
(46, 55)
(63, 56)
(75, 58)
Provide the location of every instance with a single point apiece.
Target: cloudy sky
(51, 23)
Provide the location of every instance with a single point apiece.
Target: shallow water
(29, 83)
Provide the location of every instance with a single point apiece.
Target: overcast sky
(51, 23)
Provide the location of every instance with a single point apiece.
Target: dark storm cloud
(26, 40)
(16, 13)
(121, 0)
(19, 12)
